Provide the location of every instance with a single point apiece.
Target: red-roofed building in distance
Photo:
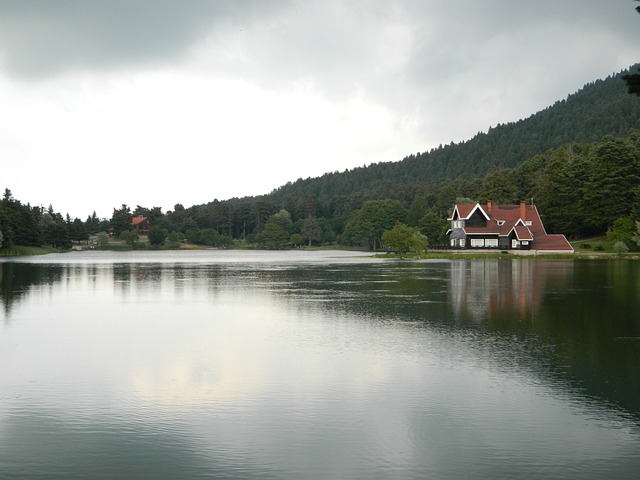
(503, 227)
(140, 225)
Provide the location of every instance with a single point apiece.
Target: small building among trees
(140, 225)
(503, 227)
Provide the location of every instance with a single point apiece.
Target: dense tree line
(26, 225)
(578, 160)
(580, 190)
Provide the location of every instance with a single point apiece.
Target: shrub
(620, 247)
(157, 235)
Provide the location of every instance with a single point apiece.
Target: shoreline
(429, 255)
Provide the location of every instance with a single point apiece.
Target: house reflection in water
(495, 289)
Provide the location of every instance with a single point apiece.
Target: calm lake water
(319, 365)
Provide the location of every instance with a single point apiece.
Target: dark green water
(318, 365)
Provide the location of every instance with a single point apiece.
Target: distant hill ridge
(600, 108)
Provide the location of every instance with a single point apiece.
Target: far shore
(429, 255)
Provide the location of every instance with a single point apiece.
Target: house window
(515, 243)
(477, 242)
(491, 242)
(528, 223)
(457, 224)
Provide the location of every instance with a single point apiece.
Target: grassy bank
(144, 246)
(586, 255)
(23, 251)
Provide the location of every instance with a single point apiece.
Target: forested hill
(598, 109)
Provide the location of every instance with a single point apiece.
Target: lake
(317, 365)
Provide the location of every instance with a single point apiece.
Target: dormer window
(457, 224)
(500, 222)
(528, 223)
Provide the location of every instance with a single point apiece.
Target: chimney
(489, 205)
(523, 210)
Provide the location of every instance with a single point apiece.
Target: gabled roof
(502, 220)
(138, 220)
(523, 233)
(464, 211)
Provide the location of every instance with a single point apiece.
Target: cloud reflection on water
(351, 371)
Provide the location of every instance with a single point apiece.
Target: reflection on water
(320, 365)
(483, 289)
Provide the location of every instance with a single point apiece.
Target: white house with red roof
(504, 227)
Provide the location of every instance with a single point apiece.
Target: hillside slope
(598, 109)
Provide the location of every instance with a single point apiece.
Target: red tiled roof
(464, 210)
(138, 220)
(553, 243)
(523, 233)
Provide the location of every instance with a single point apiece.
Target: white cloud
(164, 138)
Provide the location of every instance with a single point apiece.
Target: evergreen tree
(499, 186)
(277, 230)
(434, 228)
(367, 225)
(19, 223)
(311, 230)
(121, 219)
(613, 178)
(78, 231)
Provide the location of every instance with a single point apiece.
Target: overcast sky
(158, 102)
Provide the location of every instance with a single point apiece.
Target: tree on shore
(277, 231)
(78, 230)
(102, 238)
(157, 235)
(623, 230)
(55, 231)
(402, 239)
(434, 228)
(129, 237)
(121, 219)
(367, 224)
(636, 237)
(311, 230)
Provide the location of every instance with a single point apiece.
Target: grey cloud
(40, 38)
(338, 47)
(514, 58)
(509, 34)
(504, 57)
(405, 49)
